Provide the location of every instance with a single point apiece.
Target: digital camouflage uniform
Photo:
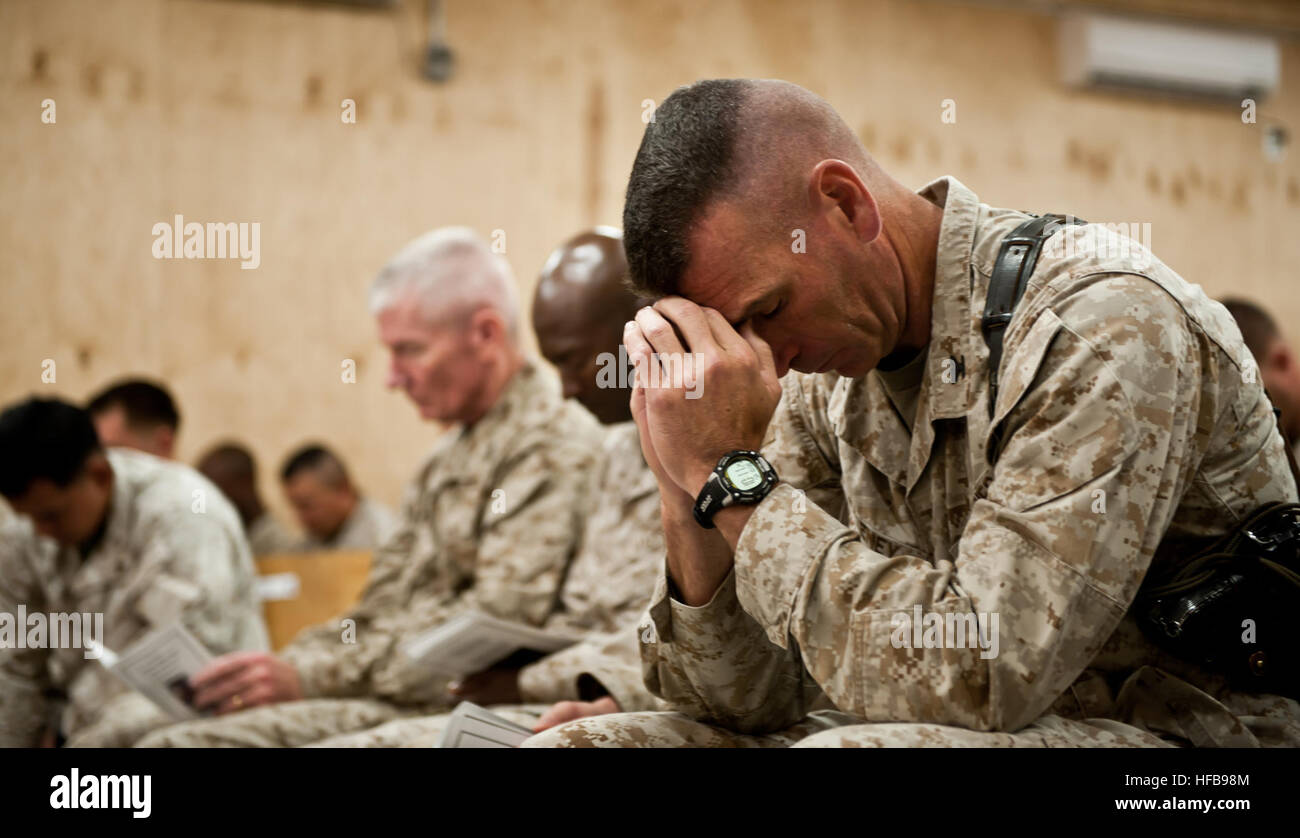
(489, 525)
(173, 550)
(608, 586)
(1130, 430)
(369, 526)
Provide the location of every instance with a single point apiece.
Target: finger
(659, 331)
(638, 348)
(766, 363)
(637, 403)
(690, 320)
(723, 332)
(222, 692)
(559, 713)
(642, 355)
(223, 667)
(252, 695)
(241, 696)
(213, 690)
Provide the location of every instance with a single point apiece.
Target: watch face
(744, 475)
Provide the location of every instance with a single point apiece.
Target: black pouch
(1232, 608)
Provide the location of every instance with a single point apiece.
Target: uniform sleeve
(528, 526)
(610, 661)
(199, 572)
(530, 529)
(715, 662)
(23, 673)
(1111, 402)
(337, 658)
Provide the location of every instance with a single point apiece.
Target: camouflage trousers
(831, 729)
(424, 731)
(292, 724)
(123, 722)
(1153, 709)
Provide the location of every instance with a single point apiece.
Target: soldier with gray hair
(489, 523)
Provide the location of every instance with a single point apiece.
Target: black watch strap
(719, 492)
(711, 498)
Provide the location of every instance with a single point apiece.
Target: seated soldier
(231, 466)
(579, 309)
(333, 513)
(143, 541)
(490, 522)
(1279, 368)
(135, 413)
(1015, 510)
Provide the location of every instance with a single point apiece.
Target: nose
(395, 377)
(784, 358)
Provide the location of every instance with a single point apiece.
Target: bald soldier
(130, 539)
(1279, 367)
(1126, 430)
(490, 522)
(232, 468)
(579, 309)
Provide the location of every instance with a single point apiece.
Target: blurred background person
(1279, 368)
(232, 468)
(333, 514)
(136, 413)
(120, 539)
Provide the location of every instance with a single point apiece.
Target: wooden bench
(327, 584)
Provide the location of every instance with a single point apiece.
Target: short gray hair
(452, 272)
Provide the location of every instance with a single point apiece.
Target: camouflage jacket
(173, 550)
(370, 525)
(490, 523)
(609, 583)
(1129, 428)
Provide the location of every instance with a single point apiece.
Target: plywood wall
(230, 111)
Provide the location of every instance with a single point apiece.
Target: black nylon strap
(1016, 260)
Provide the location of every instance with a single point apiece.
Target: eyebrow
(753, 308)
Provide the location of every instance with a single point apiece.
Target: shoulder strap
(1016, 260)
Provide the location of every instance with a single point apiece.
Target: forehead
(41, 492)
(111, 417)
(305, 480)
(406, 319)
(725, 259)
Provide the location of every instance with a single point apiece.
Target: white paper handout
(159, 665)
(473, 641)
(470, 726)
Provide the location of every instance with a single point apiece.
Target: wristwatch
(740, 477)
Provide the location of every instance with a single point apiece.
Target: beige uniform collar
(951, 316)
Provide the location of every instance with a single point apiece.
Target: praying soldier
(1126, 430)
